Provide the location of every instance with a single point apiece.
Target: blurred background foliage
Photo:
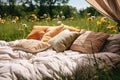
(21, 8)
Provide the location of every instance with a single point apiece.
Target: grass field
(19, 28)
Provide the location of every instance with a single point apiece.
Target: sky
(79, 4)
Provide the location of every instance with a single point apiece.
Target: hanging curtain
(110, 8)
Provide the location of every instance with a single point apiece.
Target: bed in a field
(62, 53)
(71, 54)
(50, 65)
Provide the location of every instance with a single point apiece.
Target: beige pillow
(32, 46)
(63, 40)
(89, 42)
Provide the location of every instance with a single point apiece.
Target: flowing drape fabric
(109, 8)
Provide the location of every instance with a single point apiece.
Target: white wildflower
(61, 12)
(93, 17)
(74, 12)
(13, 21)
(58, 16)
(24, 25)
(88, 14)
(45, 15)
(63, 17)
(54, 16)
(59, 22)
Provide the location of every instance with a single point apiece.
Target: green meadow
(18, 28)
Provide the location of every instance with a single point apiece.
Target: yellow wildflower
(41, 17)
(33, 15)
(90, 19)
(98, 23)
(111, 27)
(0, 20)
(114, 30)
(32, 20)
(20, 29)
(48, 18)
(71, 18)
(55, 19)
(3, 21)
(103, 20)
(16, 18)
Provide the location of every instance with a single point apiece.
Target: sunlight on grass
(12, 29)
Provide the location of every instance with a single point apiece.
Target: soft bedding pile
(18, 64)
(58, 53)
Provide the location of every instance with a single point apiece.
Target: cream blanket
(19, 65)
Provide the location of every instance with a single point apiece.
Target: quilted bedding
(20, 65)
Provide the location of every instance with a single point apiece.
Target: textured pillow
(37, 32)
(32, 46)
(89, 42)
(112, 44)
(51, 32)
(63, 40)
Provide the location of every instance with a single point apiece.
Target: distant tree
(91, 10)
(11, 4)
(2, 8)
(68, 11)
(50, 4)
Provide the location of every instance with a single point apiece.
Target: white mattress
(20, 65)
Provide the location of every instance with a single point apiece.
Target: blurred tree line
(40, 7)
